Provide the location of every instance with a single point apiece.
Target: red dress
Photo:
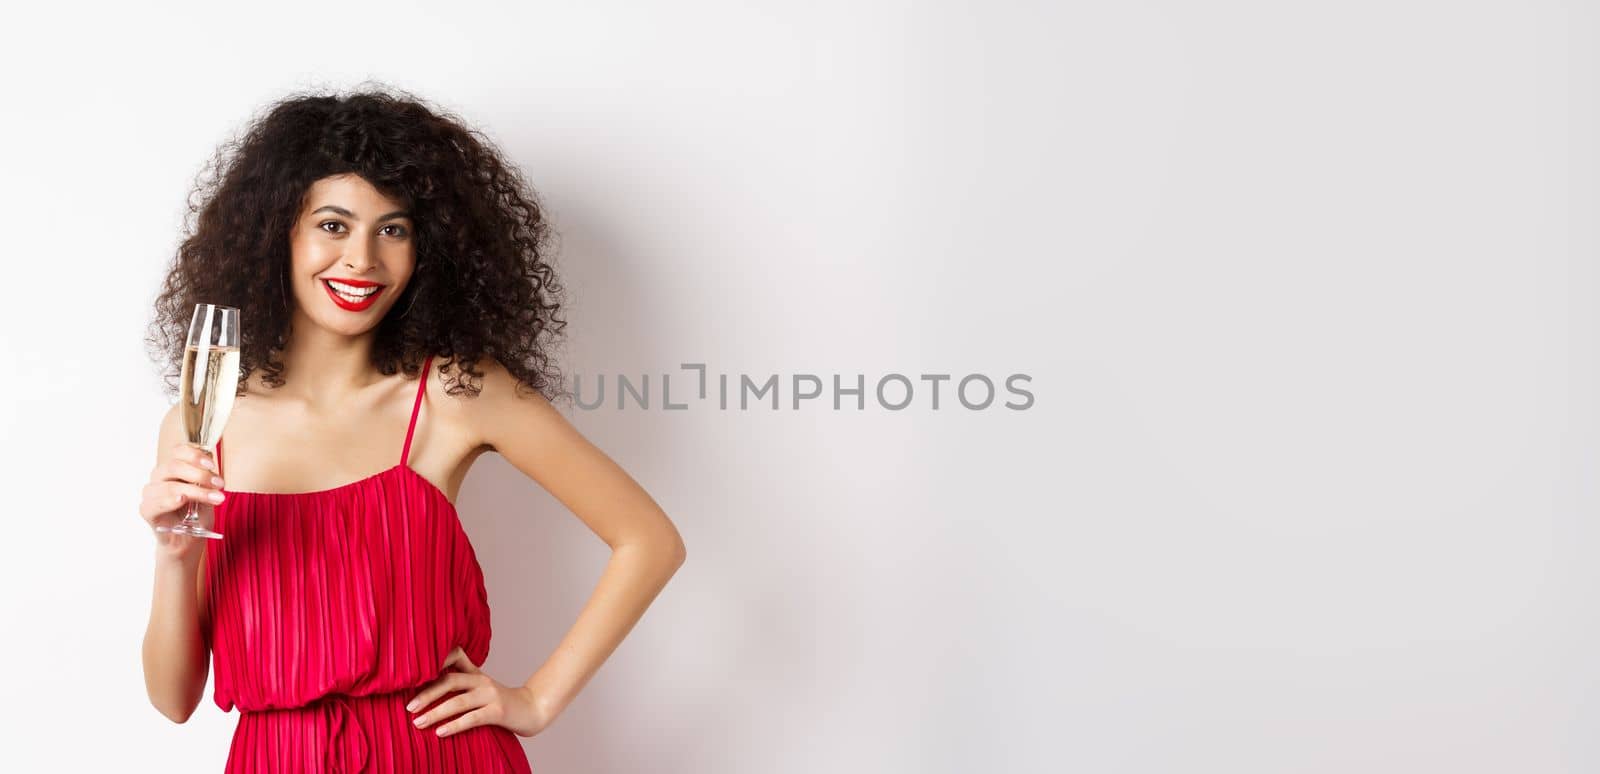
(329, 610)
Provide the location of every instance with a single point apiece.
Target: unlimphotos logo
(892, 391)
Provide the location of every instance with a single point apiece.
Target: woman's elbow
(175, 713)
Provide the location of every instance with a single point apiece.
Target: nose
(357, 255)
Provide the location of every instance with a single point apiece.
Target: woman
(366, 238)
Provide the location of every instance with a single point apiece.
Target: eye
(324, 225)
(399, 231)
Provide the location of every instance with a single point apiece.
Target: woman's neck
(322, 365)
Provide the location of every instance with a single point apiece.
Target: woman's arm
(176, 659)
(646, 549)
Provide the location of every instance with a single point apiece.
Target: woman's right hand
(184, 473)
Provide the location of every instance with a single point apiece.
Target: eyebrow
(342, 211)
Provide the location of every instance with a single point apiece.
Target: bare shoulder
(171, 431)
(172, 418)
(496, 384)
(500, 405)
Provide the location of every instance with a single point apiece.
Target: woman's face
(351, 253)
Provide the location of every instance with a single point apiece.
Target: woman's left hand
(482, 701)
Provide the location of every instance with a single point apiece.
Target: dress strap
(422, 386)
(219, 457)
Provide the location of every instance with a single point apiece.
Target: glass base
(192, 530)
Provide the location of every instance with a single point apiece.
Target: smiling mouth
(352, 297)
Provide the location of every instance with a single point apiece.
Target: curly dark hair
(484, 282)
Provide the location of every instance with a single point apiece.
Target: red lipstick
(348, 303)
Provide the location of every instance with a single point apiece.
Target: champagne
(210, 380)
(207, 384)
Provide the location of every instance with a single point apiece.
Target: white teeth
(350, 291)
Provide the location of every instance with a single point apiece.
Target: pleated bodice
(363, 588)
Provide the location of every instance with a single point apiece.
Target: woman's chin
(349, 323)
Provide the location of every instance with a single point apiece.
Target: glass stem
(193, 516)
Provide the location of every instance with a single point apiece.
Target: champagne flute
(208, 383)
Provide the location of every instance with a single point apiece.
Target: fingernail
(417, 722)
(215, 497)
(440, 731)
(216, 481)
(412, 707)
(208, 464)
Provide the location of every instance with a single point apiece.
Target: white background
(1306, 290)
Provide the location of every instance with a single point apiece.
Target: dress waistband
(333, 718)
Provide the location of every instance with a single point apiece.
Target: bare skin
(346, 421)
